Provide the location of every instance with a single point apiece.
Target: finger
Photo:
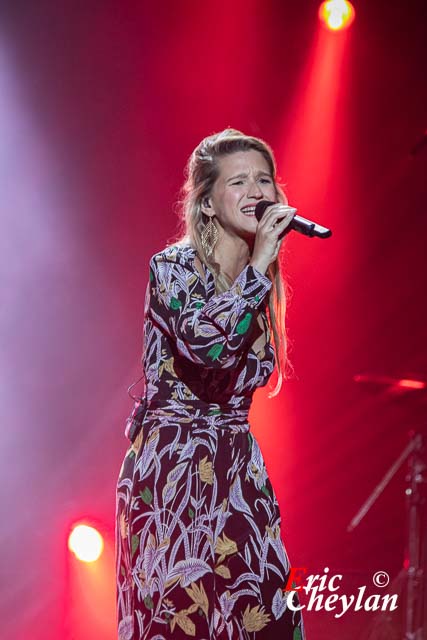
(284, 209)
(280, 212)
(286, 219)
(282, 224)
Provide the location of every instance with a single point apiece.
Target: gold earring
(209, 237)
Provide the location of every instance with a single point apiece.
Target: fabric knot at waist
(197, 409)
(191, 412)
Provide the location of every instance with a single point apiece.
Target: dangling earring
(209, 237)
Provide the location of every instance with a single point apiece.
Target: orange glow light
(336, 14)
(86, 543)
(411, 384)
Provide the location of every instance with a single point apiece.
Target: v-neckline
(209, 274)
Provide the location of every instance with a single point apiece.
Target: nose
(255, 190)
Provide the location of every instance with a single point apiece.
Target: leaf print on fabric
(279, 604)
(265, 491)
(227, 602)
(182, 620)
(177, 560)
(248, 556)
(244, 324)
(149, 555)
(256, 467)
(169, 490)
(167, 365)
(126, 628)
(275, 541)
(250, 440)
(177, 472)
(254, 619)
(188, 450)
(198, 504)
(215, 336)
(221, 514)
(189, 571)
(135, 543)
(153, 554)
(215, 351)
(124, 526)
(147, 455)
(206, 331)
(198, 595)
(223, 571)
(225, 547)
(146, 495)
(136, 445)
(206, 470)
(236, 497)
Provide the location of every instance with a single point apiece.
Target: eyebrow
(245, 175)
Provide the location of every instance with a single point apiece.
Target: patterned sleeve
(209, 332)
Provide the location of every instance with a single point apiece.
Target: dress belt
(201, 404)
(134, 421)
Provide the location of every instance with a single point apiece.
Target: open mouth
(249, 211)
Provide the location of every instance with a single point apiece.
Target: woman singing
(198, 549)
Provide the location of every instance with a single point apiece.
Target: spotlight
(86, 543)
(336, 14)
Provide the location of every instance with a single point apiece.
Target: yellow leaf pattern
(223, 571)
(183, 621)
(206, 470)
(254, 619)
(198, 595)
(225, 547)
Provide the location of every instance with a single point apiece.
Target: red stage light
(404, 383)
(86, 543)
(336, 14)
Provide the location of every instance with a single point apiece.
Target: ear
(206, 206)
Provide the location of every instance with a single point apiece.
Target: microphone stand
(416, 544)
(416, 547)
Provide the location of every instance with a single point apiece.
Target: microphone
(298, 223)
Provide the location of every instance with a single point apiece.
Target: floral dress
(198, 546)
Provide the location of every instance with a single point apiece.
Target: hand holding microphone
(273, 224)
(275, 220)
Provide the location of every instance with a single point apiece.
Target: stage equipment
(414, 571)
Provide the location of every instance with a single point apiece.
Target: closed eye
(264, 180)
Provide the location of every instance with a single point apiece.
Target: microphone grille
(261, 207)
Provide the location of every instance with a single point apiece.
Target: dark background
(101, 104)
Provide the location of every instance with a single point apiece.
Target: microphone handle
(302, 225)
(307, 228)
(298, 223)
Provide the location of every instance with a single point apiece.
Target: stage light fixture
(86, 543)
(336, 14)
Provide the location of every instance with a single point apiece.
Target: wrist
(258, 266)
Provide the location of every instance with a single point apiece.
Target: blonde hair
(201, 172)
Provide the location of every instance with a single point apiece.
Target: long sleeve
(212, 332)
